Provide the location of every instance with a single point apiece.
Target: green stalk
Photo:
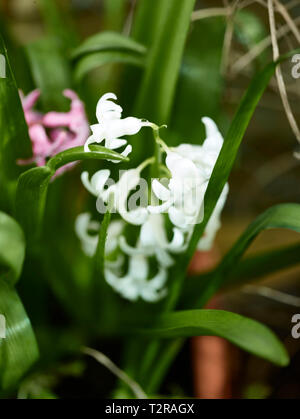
(156, 95)
(166, 46)
(157, 90)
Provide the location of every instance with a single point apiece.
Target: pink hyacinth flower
(54, 132)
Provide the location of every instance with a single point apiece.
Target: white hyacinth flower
(136, 284)
(88, 230)
(119, 192)
(111, 127)
(153, 241)
(204, 156)
(183, 198)
(97, 183)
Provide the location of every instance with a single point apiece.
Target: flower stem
(159, 144)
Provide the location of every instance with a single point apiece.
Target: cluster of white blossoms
(181, 197)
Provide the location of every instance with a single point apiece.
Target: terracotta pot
(211, 355)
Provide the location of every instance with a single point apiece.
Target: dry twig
(280, 80)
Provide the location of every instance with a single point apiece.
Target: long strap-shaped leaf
(94, 60)
(159, 82)
(106, 48)
(14, 140)
(19, 349)
(12, 249)
(108, 41)
(149, 20)
(51, 72)
(263, 264)
(241, 331)
(58, 22)
(250, 269)
(279, 216)
(33, 185)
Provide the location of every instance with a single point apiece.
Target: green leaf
(263, 264)
(58, 22)
(245, 271)
(243, 332)
(115, 11)
(195, 90)
(165, 56)
(149, 20)
(106, 48)
(50, 71)
(14, 142)
(78, 154)
(100, 252)
(31, 199)
(99, 285)
(166, 46)
(111, 42)
(279, 216)
(12, 248)
(33, 185)
(18, 351)
(94, 60)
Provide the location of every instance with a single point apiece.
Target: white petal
(111, 278)
(89, 141)
(81, 224)
(129, 290)
(210, 127)
(124, 286)
(159, 280)
(87, 184)
(129, 250)
(127, 151)
(135, 217)
(206, 242)
(98, 133)
(89, 242)
(160, 191)
(151, 290)
(177, 243)
(117, 143)
(181, 167)
(99, 180)
(105, 107)
(164, 258)
(153, 296)
(138, 268)
(214, 140)
(131, 126)
(115, 228)
(160, 209)
(147, 237)
(177, 218)
(115, 264)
